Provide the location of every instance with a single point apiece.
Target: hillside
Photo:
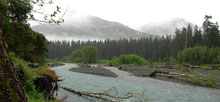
(88, 27)
(165, 27)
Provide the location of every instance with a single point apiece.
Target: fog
(135, 14)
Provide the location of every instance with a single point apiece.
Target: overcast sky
(136, 13)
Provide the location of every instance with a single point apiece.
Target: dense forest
(158, 48)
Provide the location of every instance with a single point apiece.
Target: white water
(155, 90)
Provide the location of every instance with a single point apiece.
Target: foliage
(89, 54)
(129, 59)
(172, 61)
(86, 54)
(67, 59)
(114, 61)
(211, 32)
(22, 10)
(103, 61)
(194, 55)
(24, 72)
(35, 97)
(27, 76)
(207, 81)
(219, 57)
(76, 56)
(199, 55)
(25, 43)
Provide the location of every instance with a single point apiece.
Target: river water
(145, 88)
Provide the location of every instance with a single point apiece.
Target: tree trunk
(11, 89)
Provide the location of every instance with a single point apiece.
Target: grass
(38, 97)
(209, 66)
(35, 97)
(217, 72)
(160, 63)
(207, 81)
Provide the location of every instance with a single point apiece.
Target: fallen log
(104, 94)
(96, 95)
(191, 66)
(172, 74)
(153, 74)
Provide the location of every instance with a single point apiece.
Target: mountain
(165, 27)
(78, 26)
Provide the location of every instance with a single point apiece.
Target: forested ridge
(159, 48)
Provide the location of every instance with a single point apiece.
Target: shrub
(129, 59)
(172, 60)
(86, 54)
(103, 61)
(89, 54)
(199, 55)
(114, 61)
(24, 72)
(76, 56)
(27, 75)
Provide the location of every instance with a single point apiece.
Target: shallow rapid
(154, 90)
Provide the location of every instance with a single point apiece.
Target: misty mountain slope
(89, 27)
(166, 27)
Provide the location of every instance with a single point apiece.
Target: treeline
(151, 48)
(200, 55)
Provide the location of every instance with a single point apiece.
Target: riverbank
(204, 77)
(186, 75)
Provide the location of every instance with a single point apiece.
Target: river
(154, 90)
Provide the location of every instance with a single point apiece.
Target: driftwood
(189, 67)
(96, 95)
(174, 75)
(154, 74)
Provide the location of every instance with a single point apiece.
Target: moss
(7, 94)
(49, 73)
